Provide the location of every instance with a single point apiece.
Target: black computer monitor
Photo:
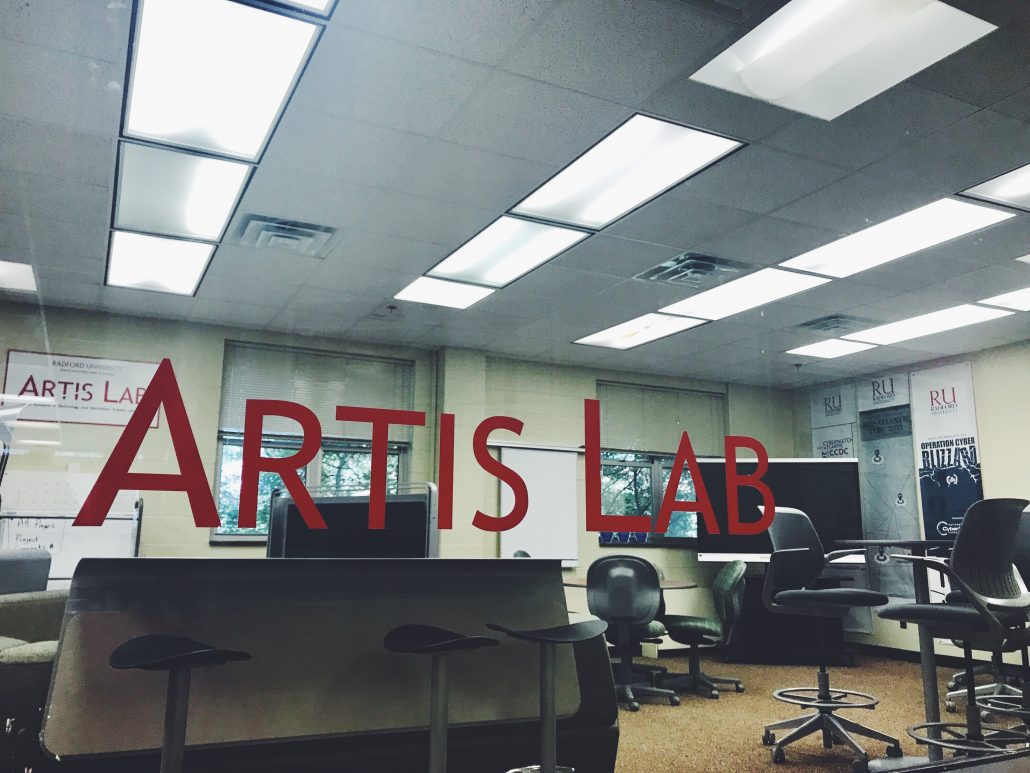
(410, 529)
(824, 489)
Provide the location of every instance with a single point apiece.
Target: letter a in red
(115, 477)
(701, 504)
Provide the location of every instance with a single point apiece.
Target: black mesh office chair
(796, 562)
(989, 613)
(696, 632)
(625, 592)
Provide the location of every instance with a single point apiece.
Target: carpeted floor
(707, 735)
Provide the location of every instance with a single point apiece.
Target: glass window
(633, 483)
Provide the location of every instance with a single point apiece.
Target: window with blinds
(641, 418)
(317, 380)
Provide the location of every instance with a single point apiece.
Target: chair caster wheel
(860, 766)
(895, 751)
(633, 706)
(713, 694)
(674, 700)
(738, 688)
(778, 755)
(950, 707)
(952, 685)
(768, 738)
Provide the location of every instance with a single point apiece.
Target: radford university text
(164, 391)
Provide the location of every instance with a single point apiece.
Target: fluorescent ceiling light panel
(175, 193)
(440, 292)
(834, 347)
(17, 277)
(633, 164)
(824, 57)
(505, 250)
(757, 289)
(1018, 300)
(913, 231)
(927, 324)
(213, 74)
(154, 263)
(641, 330)
(1011, 189)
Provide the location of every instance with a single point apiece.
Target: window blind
(317, 380)
(641, 418)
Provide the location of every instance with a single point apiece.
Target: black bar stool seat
(418, 639)
(548, 639)
(178, 656)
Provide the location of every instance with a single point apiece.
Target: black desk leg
(176, 709)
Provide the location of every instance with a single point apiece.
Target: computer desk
(927, 659)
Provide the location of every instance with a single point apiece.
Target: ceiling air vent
(837, 324)
(286, 235)
(692, 269)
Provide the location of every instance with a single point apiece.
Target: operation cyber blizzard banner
(944, 427)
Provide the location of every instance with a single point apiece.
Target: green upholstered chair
(697, 632)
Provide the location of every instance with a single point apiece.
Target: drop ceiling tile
(249, 289)
(606, 254)
(426, 220)
(145, 303)
(1016, 106)
(35, 196)
(766, 241)
(720, 333)
(987, 282)
(358, 248)
(773, 316)
(968, 339)
(569, 284)
(245, 315)
(461, 337)
(519, 346)
(511, 302)
(784, 177)
(56, 151)
(722, 356)
(475, 178)
(92, 30)
(284, 269)
(60, 88)
(1001, 53)
(884, 124)
(716, 110)
(965, 153)
(923, 270)
(377, 80)
(840, 295)
(470, 29)
(375, 332)
(909, 304)
(857, 202)
(532, 120)
(67, 288)
(280, 193)
(997, 245)
(52, 243)
(618, 51)
(323, 145)
(678, 222)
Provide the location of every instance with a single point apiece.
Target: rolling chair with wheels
(728, 596)
(795, 564)
(989, 614)
(178, 656)
(625, 591)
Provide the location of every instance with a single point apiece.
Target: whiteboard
(46, 492)
(549, 528)
(67, 543)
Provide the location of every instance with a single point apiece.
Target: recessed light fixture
(927, 324)
(913, 231)
(213, 74)
(1019, 300)
(757, 289)
(147, 262)
(1011, 189)
(17, 277)
(641, 330)
(633, 164)
(505, 250)
(831, 348)
(440, 292)
(824, 57)
(174, 193)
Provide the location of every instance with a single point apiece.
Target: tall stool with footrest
(178, 656)
(548, 639)
(415, 639)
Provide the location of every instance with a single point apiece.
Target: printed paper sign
(73, 389)
(834, 442)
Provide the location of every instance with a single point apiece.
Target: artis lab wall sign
(74, 389)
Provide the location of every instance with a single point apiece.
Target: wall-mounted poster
(833, 422)
(887, 475)
(944, 426)
(75, 390)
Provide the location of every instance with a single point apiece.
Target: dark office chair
(415, 639)
(178, 656)
(989, 614)
(796, 563)
(24, 571)
(625, 591)
(695, 632)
